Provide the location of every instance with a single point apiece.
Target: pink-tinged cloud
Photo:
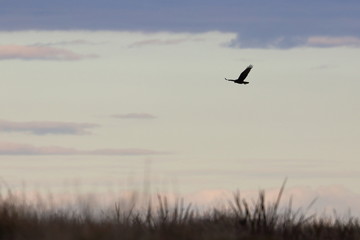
(44, 128)
(342, 200)
(134, 116)
(320, 200)
(39, 53)
(323, 41)
(65, 43)
(8, 148)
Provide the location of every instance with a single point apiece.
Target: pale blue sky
(145, 83)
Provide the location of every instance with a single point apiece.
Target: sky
(115, 94)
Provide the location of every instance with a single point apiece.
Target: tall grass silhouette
(160, 219)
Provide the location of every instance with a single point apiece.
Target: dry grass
(240, 220)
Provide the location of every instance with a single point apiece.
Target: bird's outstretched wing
(244, 74)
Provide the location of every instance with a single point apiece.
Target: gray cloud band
(7, 148)
(45, 128)
(258, 24)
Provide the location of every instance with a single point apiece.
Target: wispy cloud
(8, 148)
(326, 41)
(66, 42)
(283, 42)
(286, 42)
(134, 116)
(40, 53)
(123, 151)
(161, 42)
(44, 128)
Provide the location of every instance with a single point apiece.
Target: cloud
(261, 24)
(161, 42)
(299, 172)
(328, 199)
(328, 41)
(125, 151)
(286, 42)
(65, 43)
(44, 128)
(283, 42)
(134, 116)
(8, 148)
(39, 53)
(325, 199)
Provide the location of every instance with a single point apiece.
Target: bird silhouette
(242, 76)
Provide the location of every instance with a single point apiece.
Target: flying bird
(242, 76)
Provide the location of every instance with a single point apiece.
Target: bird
(242, 76)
